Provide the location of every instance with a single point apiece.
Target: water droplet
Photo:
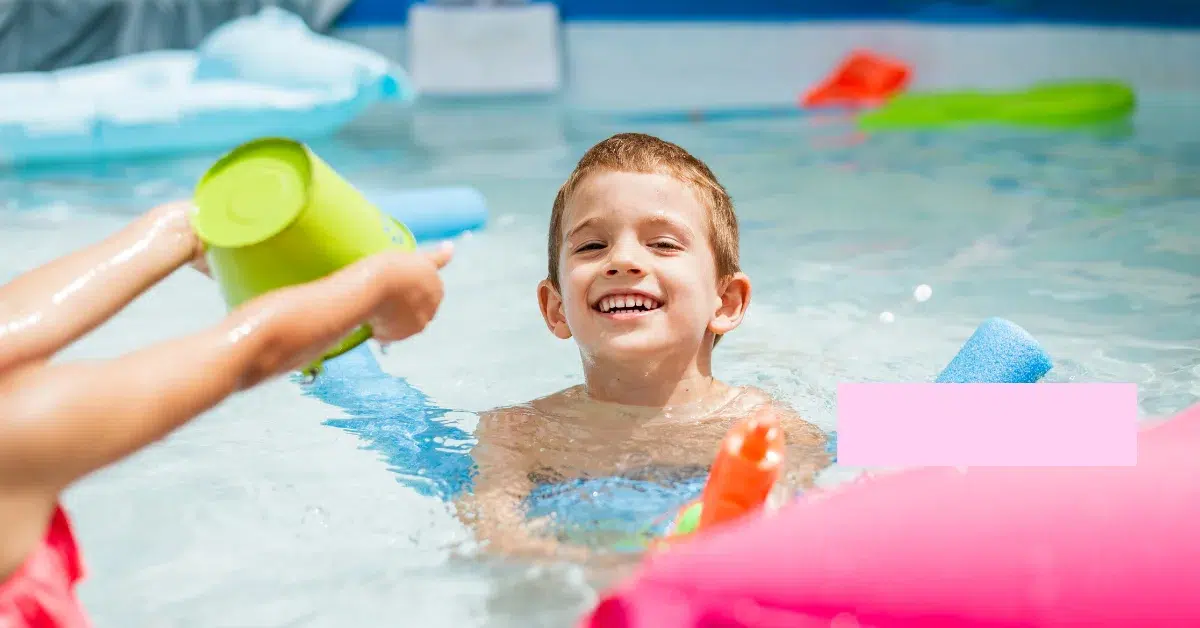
(315, 515)
(922, 293)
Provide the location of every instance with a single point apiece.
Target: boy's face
(637, 272)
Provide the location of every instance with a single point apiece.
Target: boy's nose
(623, 259)
(626, 267)
(623, 264)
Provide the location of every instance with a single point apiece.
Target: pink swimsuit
(41, 593)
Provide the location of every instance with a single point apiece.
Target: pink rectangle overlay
(987, 425)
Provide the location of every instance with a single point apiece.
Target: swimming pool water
(293, 506)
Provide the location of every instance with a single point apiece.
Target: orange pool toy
(745, 470)
(863, 79)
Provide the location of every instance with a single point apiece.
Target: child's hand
(413, 292)
(176, 216)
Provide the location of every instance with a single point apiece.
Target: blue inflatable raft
(261, 75)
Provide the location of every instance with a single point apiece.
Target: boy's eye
(590, 246)
(666, 244)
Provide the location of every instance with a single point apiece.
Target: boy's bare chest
(594, 452)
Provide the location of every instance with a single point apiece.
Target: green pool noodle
(1052, 104)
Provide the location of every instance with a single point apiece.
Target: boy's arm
(49, 307)
(61, 422)
(494, 508)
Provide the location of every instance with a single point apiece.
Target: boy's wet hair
(646, 154)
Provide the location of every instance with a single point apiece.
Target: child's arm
(61, 422)
(494, 508)
(50, 306)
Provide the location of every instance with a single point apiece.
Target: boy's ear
(551, 305)
(735, 298)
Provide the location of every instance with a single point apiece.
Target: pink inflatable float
(991, 547)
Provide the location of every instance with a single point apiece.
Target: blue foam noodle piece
(435, 213)
(999, 352)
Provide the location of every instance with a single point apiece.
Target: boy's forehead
(633, 196)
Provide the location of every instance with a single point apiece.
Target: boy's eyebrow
(580, 227)
(663, 219)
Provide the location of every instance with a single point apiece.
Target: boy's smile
(621, 305)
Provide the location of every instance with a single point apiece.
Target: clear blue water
(320, 506)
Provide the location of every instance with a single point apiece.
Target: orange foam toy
(747, 466)
(863, 79)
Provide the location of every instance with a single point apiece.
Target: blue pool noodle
(999, 352)
(434, 213)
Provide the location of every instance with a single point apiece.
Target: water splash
(424, 449)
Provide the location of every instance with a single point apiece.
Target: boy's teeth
(607, 304)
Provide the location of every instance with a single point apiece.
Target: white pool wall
(663, 65)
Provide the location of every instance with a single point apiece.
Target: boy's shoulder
(756, 397)
(524, 416)
(797, 428)
(753, 398)
(549, 404)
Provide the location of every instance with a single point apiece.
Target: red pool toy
(864, 79)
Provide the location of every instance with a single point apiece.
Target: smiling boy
(644, 276)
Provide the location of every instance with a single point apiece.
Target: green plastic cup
(272, 214)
